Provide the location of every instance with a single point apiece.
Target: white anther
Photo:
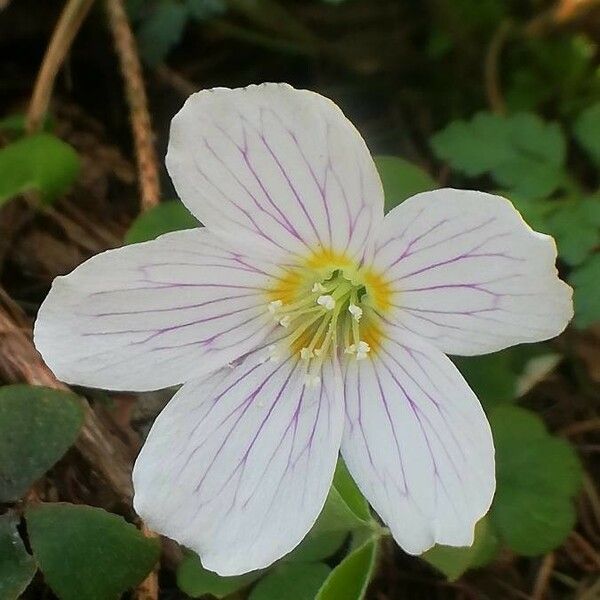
(285, 322)
(350, 349)
(355, 311)
(326, 301)
(362, 350)
(275, 306)
(312, 381)
(306, 353)
(319, 287)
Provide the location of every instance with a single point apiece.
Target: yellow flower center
(328, 305)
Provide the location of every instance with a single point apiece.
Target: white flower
(335, 320)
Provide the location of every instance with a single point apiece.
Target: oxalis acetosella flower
(302, 324)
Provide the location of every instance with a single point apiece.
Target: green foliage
(537, 476)
(294, 581)
(87, 553)
(520, 152)
(17, 566)
(161, 23)
(37, 426)
(349, 492)
(586, 283)
(401, 180)
(453, 562)
(350, 579)
(318, 545)
(163, 218)
(587, 131)
(40, 162)
(194, 580)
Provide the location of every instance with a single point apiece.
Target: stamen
(362, 350)
(355, 311)
(318, 287)
(326, 301)
(275, 306)
(285, 321)
(306, 353)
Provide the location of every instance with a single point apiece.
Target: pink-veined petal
(155, 314)
(418, 444)
(469, 275)
(280, 169)
(237, 466)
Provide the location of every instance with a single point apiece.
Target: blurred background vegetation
(497, 95)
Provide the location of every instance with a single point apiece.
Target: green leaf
(37, 426)
(163, 218)
(39, 162)
(586, 283)
(317, 546)
(350, 579)
(205, 9)
(453, 562)
(349, 492)
(161, 31)
(576, 227)
(401, 180)
(537, 476)
(587, 131)
(194, 580)
(87, 553)
(17, 567)
(299, 581)
(521, 152)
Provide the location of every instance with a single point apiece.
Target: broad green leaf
(586, 283)
(521, 152)
(17, 566)
(537, 476)
(37, 426)
(194, 580)
(350, 579)
(576, 227)
(39, 162)
(491, 376)
(163, 218)
(317, 546)
(401, 179)
(349, 492)
(295, 581)
(86, 553)
(161, 30)
(587, 131)
(453, 562)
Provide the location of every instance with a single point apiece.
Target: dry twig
(64, 33)
(131, 69)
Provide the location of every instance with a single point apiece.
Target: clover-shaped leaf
(521, 152)
(37, 426)
(39, 162)
(17, 566)
(87, 553)
(162, 218)
(537, 477)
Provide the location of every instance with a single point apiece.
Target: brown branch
(20, 362)
(64, 33)
(141, 126)
(543, 577)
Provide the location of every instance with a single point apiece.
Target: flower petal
(468, 273)
(237, 467)
(280, 169)
(156, 314)
(418, 444)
